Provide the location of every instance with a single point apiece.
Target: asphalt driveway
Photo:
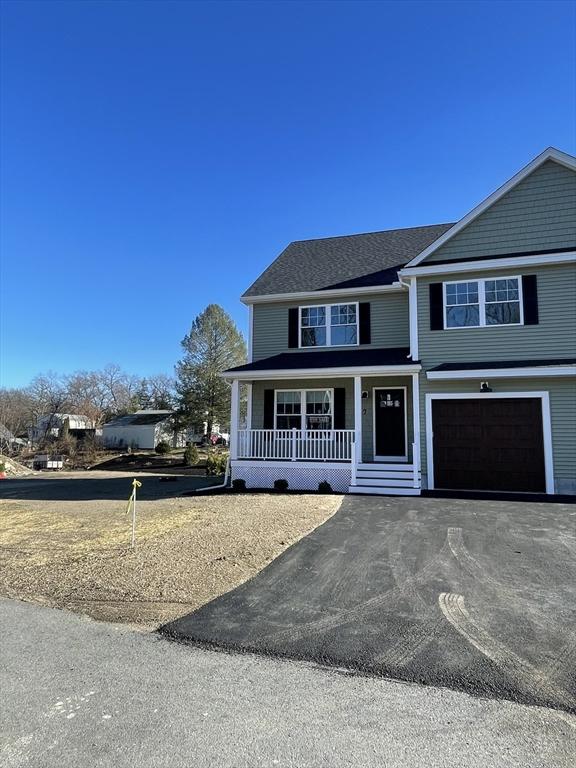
(473, 595)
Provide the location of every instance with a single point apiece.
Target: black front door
(390, 423)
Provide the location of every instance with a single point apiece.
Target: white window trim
(377, 457)
(303, 406)
(482, 302)
(546, 427)
(328, 326)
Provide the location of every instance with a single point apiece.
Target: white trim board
(546, 427)
(322, 373)
(378, 457)
(323, 294)
(503, 373)
(549, 154)
(413, 317)
(567, 257)
(250, 332)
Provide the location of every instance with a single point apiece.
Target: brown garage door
(491, 444)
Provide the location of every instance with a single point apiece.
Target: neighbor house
(438, 357)
(142, 429)
(52, 425)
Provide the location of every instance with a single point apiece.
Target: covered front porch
(357, 430)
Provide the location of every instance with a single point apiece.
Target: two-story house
(439, 357)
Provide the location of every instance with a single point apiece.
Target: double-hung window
(477, 303)
(304, 409)
(331, 325)
(502, 301)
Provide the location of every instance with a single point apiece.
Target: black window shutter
(436, 307)
(530, 299)
(339, 408)
(364, 322)
(268, 409)
(293, 328)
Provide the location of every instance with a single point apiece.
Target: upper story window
(477, 303)
(330, 325)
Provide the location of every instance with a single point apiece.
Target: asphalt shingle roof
(140, 419)
(344, 262)
(287, 361)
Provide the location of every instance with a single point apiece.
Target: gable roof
(350, 261)
(549, 154)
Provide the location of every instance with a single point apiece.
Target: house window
(473, 304)
(462, 307)
(304, 409)
(332, 325)
(288, 410)
(502, 301)
(313, 325)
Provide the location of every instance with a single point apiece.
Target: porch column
(416, 428)
(234, 419)
(358, 417)
(249, 405)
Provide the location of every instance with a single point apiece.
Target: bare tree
(88, 395)
(161, 392)
(120, 389)
(49, 398)
(16, 410)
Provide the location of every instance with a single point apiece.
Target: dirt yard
(75, 553)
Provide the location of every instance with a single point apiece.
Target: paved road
(81, 693)
(474, 595)
(97, 484)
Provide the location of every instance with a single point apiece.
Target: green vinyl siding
(388, 316)
(539, 213)
(553, 337)
(562, 392)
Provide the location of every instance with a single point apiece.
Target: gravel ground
(75, 554)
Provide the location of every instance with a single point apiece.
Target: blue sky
(156, 156)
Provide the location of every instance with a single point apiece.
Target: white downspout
(412, 314)
(220, 485)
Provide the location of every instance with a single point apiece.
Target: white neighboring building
(143, 430)
(50, 425)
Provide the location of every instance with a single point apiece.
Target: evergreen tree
(213, 345)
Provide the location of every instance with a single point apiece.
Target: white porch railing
(296, 444)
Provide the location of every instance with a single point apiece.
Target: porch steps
(385, 480)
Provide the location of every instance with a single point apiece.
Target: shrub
(281, 485)
(190, 455)
(239, 484)
(2, 467)
(216, 463)
(163, 448)
(325, 487)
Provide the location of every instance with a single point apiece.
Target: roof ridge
(374, 232)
